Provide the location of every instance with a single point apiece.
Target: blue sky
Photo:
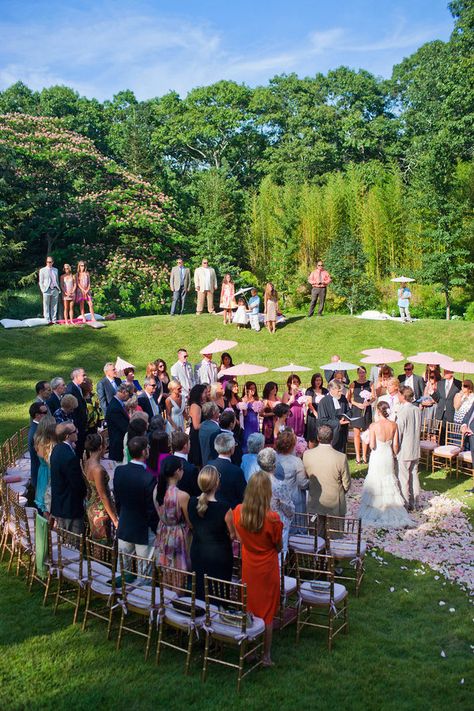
(154, 46)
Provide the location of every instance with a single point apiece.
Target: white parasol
(402, 280)
(291, 368)
(121, 364)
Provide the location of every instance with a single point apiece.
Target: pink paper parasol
(291, 368)
(244, 369)
(120, 364)
(430, 358)
(384, 355)
(217, 346)
(461, 366)
(376, 360)
(339, 365)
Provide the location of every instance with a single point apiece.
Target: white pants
(254, 322)
(404, 313)
(50, 305)
(141, 549)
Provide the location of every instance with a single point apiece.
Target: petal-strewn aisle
(443, 537)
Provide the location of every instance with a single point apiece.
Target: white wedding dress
(382, 503)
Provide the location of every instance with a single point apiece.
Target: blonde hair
(45, 437)
(208, 481)
(256, 504)
(174, 384)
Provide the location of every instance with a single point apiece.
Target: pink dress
(227, 296)
(83, 280)
(295, 419)
(172, 533)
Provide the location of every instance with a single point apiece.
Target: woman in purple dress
(251, 406)
(294, 397)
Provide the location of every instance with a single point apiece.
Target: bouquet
(257, 407)
(301, 399)
(365, 395)
(242, 406)
(300, 447)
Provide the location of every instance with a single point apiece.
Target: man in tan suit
(329, 478)
(205, 282)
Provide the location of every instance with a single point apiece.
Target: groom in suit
(409, 424)
(49, 287)
(331, 411)
(180, 284)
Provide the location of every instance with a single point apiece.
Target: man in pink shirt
(319, 279)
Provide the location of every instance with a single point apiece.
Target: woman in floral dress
(99, 504)
(171, 541)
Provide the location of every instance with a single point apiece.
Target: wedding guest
(197, 397)
(271, 309)
(392, 397)
(381, 386)
(444, 395)
(411, 380)
(175, 408)
(226, 362)
(295, 400)
(463, 401)
(240, 317)
(281, 502)
(227, 300)
(100, 508)
(95, 414)
(227, 423)
(172, 507)
(205, 282)
(209, 424)
(131, 405)
(49, 287)
(333, 410)
(137, 427)
(65, 413)
(232, 477)
(117, 423)
(293, 469)
(36, 411)
(44, 442)
(58, 388)
(281, 412)
(213, 531)
(328, 476)
(130, 379)
(163, 381)
(182, 371)
(180, 284)
(159, 450)
(79, 416)
(43, 392)
(83, 290)
(146, 399)
(250, 406)
(360, 399)
(216, 394)
(68, 488)
(404, 296)
(231, 395)
(260, 532)
(319, 280)
(408, 424)
(427, 404)
(430, 370)
(133, 494)
(263, 463)
(206, 370)
(254, 310)
(269, 400)
(467, 430)
(331, 374)
(68, 289)
(314, 395)
(180, 448)
(255, 444)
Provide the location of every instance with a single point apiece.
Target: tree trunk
(448, 306)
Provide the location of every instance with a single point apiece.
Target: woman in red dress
(260, 532)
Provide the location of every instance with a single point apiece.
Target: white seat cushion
(304, 543)
(257, 628)
(347, 549)
(465, 457)
(322, 598)
(71, 572)
(428, 444)
(447, 450)
(181, 619)
(290, 585)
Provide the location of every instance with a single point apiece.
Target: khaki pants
(201, 295)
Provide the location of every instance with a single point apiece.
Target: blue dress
(42, 485)
(250, 425)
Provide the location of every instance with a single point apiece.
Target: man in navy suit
(58, 387)
(117, 423)
(232, 486)
(79, 416)
(331, 411)
(147, 400)
(37, 411)
(107, 386)
(180, 448)
(227, 422)
(68, 488)
(133, 492)
(209, 427)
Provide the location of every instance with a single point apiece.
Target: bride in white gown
(382, 503)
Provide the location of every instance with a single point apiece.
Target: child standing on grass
(253, 310)
(227, 300)
(240, 316)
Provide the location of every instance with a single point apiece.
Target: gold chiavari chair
(101, 585)
(23, 539)
(70, 568)
(445, 456)
(344, 542)
(429, 439)
(288, 595)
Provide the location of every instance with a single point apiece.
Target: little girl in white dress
(241, 316)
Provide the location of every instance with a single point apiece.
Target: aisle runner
(443, 537)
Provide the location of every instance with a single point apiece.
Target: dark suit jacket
(465, 421)
(117, 426)
(54, 403)
(188, 481)
(207, 429)
(34, 461)
(133, 492)
(445, 407)
(79, 416)
(105, 391)
(329, 375)
(144, 402)
(232, 487)
(68, 488)
(418, 384)
(236, 457)
(327, 416)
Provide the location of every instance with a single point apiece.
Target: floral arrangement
(242, 406)
(257, 406)
(301, 399)
(300, 447)
(365, 395)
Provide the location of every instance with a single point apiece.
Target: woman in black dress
(360, 399)
(314, 394)
(213, 532)
(197, 396)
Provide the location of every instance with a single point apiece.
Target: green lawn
(391, 658)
